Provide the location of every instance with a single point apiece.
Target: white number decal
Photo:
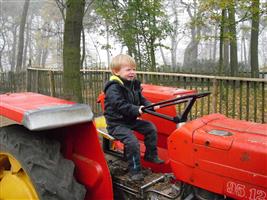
(241, 191)
(255, 194)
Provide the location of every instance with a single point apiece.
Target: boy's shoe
(154, 159)
(137, 176)
(146, 171)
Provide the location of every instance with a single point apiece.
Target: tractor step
(154, 186)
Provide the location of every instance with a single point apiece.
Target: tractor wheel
(32, 167)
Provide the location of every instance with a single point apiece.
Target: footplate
(158, 188)
(155, 185)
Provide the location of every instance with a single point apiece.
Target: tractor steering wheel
(191, 99)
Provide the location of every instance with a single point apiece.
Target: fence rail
(240, 98)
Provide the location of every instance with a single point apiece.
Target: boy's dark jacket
(122, 101)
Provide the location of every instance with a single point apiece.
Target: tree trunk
(21, 35)
(174, 44)
(174, 35)
(191, 51)
(96, 49)
(44, 57)
(139, 55)
(83, 49)
(222, 28)
(152, 55)
(108, 45)
(1, 50)
(163, 56)
(26, 47)
(215, 44)
(39, 57)
(226, 55)
(71, 50)
(233, 41)
(245, 52)
(14, 49)
(254, 39)
(1, 66)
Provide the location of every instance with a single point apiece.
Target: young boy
(123, 106)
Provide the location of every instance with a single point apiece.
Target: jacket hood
(117, 80)
(113, 80)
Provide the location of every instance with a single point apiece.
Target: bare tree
(14, 47)
(2, 43)
(1, 50)
(21, 35)
(174, 35)
(191, 51)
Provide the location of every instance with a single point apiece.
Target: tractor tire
(40, 159)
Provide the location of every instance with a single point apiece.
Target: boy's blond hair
(122, 59)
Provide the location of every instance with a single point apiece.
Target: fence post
(214, 95)
(51, 83)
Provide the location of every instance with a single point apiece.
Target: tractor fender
(40, 112)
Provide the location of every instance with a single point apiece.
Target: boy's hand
(156, 107)
(140, 109)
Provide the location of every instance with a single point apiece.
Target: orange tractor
(53, 151)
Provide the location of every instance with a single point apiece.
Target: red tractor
(53, 152)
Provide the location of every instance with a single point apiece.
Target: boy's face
(127, 72)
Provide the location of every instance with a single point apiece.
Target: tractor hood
(237, 145)
(220, 132)
(39, 112)
(220, 149)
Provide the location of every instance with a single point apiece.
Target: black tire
(40, 158)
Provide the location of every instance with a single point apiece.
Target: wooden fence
(240, 98)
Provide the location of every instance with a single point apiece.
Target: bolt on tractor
(52, 150)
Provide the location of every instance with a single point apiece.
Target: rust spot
(245, 157)
(207, 143)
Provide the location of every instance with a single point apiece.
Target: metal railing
(240, 98)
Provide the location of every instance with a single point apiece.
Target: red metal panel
(203, 137)
(163, 92)
(234, 165)
(155, 93)
(83, 147)
(15, 105)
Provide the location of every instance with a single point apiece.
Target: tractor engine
(221, 155)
